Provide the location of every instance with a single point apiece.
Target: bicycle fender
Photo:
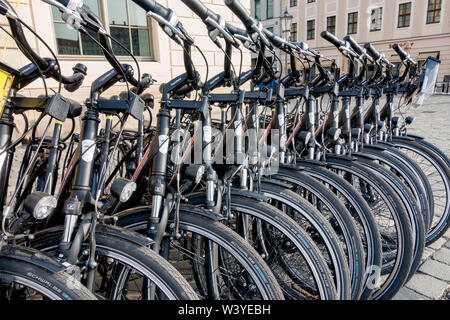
(125, 234)
(386, 144)
(374, 147)
(365, 155)
(31, 256)
(183, 207)
(248, 194)
(414, 136)
(292, 167)
(311, 162)
(105, 230)
(202, 212)
(409, 137)
(341, 157)
(276, 182)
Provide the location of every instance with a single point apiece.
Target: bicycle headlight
(123, 189)
(40, 205)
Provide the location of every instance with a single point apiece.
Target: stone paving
(432, 281)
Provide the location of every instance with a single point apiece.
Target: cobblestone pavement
(432, 281)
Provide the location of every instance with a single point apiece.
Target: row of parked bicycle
(298, 191)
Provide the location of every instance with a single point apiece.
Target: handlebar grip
(199, 9)
(355, 46)
(403, 55)
(240, 12)
(74, 86)
(332, 39)
(372, 51)
(74, 82)
(155, 7)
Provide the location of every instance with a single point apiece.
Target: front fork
(71, 246)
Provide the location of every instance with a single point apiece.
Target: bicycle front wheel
(216, 261)
(125, 270)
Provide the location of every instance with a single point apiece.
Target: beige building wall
(418, 39)
(168, 62)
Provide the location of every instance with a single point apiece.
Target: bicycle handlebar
(49, 67)
(355, 46)
(155, 7)
(332, 39)
(402, 54)
(372, 51)
(200, 9)
(241, 13)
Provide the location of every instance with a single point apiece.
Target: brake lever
(247, 43)
(257, 28)
(69, 15)
(220, 30)
(170, 26)
(7, 12)
(347, 50)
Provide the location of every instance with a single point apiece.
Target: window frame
(334, 26)
(293, 3)
(352, 23)
(404, 15)
(267, 9)
(257, 14)
(312, 30)
(103, 15)
(380, 18)
(294, 31)
(434, 12)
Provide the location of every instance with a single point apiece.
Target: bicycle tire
(47, 284)
(343, 223)
(442, 223)
(415, 217)
(360, 211)
(142, 260)
(404, 248)
(318, 228)
(136, 219)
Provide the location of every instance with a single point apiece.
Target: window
(258, 9)
(376, 19)
(269, 9)
(310, 1)
(434, 11)
(129, 25)
(70, 41)
(310, 29)
(126, 22)
(352, 26)
(294, 32)
(404, 15)
(331, 24)
(293, 3)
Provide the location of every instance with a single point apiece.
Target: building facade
(420, 27)
(129, 24)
